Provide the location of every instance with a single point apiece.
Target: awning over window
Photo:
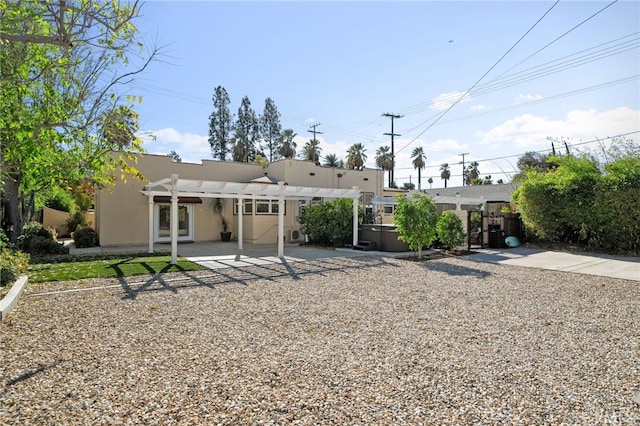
(181, 200)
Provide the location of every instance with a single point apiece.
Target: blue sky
(344, 64)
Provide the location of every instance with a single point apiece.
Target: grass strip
(108, 268)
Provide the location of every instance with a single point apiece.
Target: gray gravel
(334, 341)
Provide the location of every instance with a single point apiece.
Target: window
(163, 222)
(247, 206)
(264, 206)
(388, 209)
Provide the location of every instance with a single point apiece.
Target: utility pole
(464, 173)
(314, 131)
(393, 155)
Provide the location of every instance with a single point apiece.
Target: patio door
(162, 222)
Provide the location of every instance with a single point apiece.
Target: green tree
(311, 151)
(450, 230)
(247, 133)
(445, 173)
(415, 219)
(287, 145)
(430, 180)
(332, 160)
(419, 163)
(356, 156)
(329, 223)
(220, 124)
(62, 118)
(385, 161)
(409, 186)
(471, 173)
(271, 129)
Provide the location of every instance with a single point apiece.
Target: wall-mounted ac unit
(295, 235)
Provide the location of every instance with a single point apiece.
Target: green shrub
(85, 237)
(12, 264)
(76, 221)
(329, 223)
(36, 239)
(450, 230)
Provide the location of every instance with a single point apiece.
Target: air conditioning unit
(295, 235)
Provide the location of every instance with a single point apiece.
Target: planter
(225, 236)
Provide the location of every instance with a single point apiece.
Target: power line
(483, 76)
(314, 131)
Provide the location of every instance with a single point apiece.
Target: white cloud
(530, 130)
(445, 100)
(192, 148)
(527, 98)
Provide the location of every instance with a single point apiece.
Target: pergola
(174, 187)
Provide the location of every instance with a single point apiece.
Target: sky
(491, 80)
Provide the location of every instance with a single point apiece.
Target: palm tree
(430, 182)
(311, 151)
(332, 160)
(418, 163)
(356, 156)
(445, 173)
(385, 161)
(287, 145)
(471, 173)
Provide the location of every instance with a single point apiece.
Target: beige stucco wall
(122, 211)
(52, 218)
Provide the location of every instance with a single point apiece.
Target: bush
(76, 220)
(85, 237)
(450, 231)
(36, 239)
(12, 264)
(415, 219)
(329, 223)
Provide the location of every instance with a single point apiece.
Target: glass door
(163, 222)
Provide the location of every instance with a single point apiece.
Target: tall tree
(356, 156)
(445, 173)
(384, 160)
(270, 129)
(471, 173)
(287, 145)
(61, 67)
(247, 133)
(220, 124)
(430, 180)
(332, 160)
(175, 157)
(311, 151)
(418, 163)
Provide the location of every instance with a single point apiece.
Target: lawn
(107, 268)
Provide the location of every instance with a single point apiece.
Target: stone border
(11, 299)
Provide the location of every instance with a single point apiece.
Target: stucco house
(139, 213)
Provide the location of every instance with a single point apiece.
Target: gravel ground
(336, 341)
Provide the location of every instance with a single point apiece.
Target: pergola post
(174, 220)
(281, 221)
(355, 219)
(240, 220)
(151, 224)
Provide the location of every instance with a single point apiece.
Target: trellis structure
(175, 187)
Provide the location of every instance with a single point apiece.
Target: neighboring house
(128, 213)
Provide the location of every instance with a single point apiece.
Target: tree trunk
(419, 180)
(12, 214)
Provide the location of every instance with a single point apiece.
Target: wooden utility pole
(392, 134)
(314, 131)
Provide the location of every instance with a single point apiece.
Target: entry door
(163, 222)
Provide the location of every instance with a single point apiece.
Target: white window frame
(156, 220)
(272, 206)
(246, 202)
